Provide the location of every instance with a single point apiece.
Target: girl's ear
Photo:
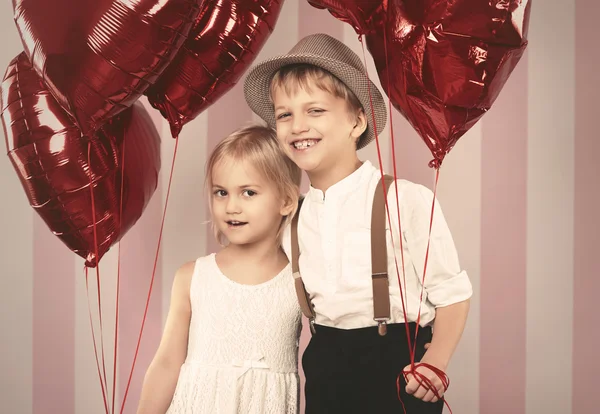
(287, 206)
(360, 127)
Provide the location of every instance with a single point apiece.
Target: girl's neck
(265, 253)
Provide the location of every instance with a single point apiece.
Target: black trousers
(354, 371)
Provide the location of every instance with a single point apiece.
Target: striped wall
(520, 193)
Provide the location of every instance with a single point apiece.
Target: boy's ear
(360, 127)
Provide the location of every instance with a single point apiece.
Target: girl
(230, 343)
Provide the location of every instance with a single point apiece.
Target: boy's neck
(323, 180)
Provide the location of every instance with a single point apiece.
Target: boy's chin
(308, 165)
(307, 161)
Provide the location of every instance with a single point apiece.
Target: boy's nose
(299, 125)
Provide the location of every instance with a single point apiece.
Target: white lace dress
(243, 346)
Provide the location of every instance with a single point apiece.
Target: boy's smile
(304, 144)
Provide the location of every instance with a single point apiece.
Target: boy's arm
(448, 287)
(162, 375)
(448, 329)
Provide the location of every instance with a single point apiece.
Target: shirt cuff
(452, 290)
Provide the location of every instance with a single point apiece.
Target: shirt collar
(345, 186)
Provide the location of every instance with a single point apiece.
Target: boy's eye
(220, 193)
(316, 111)
(249, 193)
(283, 115)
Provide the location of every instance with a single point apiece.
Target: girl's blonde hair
(259, 146)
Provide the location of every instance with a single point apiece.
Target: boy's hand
(419, 387)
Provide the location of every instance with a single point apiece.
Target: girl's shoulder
(191, 276)
(189, 270)
(203, 260)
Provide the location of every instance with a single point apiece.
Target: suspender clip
(382, 325)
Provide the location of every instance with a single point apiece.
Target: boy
(319, 99)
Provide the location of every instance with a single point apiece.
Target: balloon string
(153, 275)
(112, 410)
(422, 380)
(392, 141)
(94, 340)
(97, 272)
(403, 267)
(388, 215)
(437, 176)
(93, 205)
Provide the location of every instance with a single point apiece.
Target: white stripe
(88, 394)
(16, 294)
(550, 212)
(16, 257)
(459, 192)
(184, 233)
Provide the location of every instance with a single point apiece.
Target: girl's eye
(220, 193)
(249, 193)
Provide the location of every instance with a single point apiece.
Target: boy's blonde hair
(293, 77)
(259, 146)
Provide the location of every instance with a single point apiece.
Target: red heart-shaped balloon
(56, 165)
(443, 63)
(223, 43)
(98, 56)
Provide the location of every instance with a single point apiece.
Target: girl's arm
(161, 378)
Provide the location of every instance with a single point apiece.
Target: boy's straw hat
(327, 53)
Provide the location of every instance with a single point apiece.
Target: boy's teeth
(304, 143)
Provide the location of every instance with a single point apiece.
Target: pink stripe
(503, 249)
(412, 154)
(586, 336)
(53, 322)
(138, 251)
(312, 20)
(224, 116)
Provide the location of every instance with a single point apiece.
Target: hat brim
(257, 89)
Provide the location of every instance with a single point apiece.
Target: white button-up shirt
(334, 231)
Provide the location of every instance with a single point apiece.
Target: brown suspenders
(381, 296)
